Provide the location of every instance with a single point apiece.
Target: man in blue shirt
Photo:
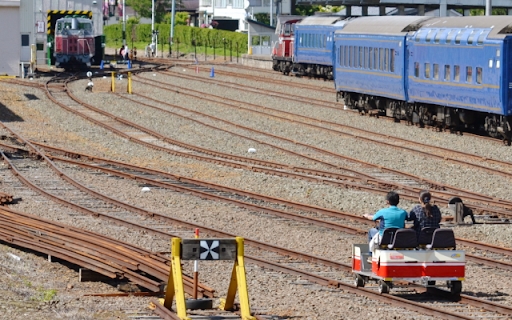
(390, 217)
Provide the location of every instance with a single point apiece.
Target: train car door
(505, 59)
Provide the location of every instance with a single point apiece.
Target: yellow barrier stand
(220, 249)
(113, 83)
(129, 89)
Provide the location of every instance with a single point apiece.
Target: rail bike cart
(430, 261)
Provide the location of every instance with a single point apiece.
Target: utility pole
(173, 8)
(124, 23)
(152, 21)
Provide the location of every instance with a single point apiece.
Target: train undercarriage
(313, 70)
(440, 117)
(302, 70)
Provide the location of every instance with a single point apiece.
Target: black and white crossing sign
(209, 250)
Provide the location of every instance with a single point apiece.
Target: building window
(238, 4)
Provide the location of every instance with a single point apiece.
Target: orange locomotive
(74, 42)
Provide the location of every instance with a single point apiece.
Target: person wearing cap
(390, 217)
(424, 215)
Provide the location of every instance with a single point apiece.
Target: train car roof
(386, 25)
(320, 20)
(500, 25)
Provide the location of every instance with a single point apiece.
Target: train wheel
(455, 287)
(359, 281)
(383, 287)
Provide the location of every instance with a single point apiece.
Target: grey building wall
(10, 38)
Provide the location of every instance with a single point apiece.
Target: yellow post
(175, 282)
(239, 280)
(129, 82)
(113, 83)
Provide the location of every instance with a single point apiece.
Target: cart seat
(442, 239)
(387, 237)
(425, 236)
(404, 239)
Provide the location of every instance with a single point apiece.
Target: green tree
(180, 18)
(142, 8)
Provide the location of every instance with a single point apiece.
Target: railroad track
(310, 268)
(380, 180)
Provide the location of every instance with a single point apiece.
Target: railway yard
(235, 152)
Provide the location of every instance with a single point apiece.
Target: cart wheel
(359, 281)
(383, 287)
(455, 287)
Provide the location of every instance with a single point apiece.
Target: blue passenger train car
(370, 62)
(463, 66)
(314, 43)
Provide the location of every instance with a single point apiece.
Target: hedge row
(182, 34)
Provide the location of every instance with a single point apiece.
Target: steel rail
(266, 247)
(300, 206)
(441, 189)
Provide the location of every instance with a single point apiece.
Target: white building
(10, 38)
(232, 13)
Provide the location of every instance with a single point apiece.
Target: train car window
(376, 58)
(381, 58)
(347, 56)
(490, 63)
(416, 69)
(351, 56)
(361, 57)
(417, 36)
(325, 42)
(429, 35)
(456, 75)
(471, 37)
(356, 57)
(366, 57)
(370, 58)
(481, 38)
(458, 37)
(498, 52)
(446, 72)
(469, 74)
(392, 61)
(438, 36)
(497, 64)
(386, 60)
(450, 36)
(427, 70)
(436, 71)
(479, 75)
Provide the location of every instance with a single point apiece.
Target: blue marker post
(212, 73)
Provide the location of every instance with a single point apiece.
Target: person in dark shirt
(424, 214)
